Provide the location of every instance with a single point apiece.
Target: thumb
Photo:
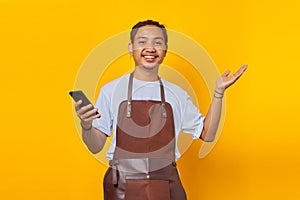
(226, 73)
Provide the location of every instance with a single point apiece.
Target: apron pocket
(146, 189)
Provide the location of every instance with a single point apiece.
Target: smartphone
(79, 95)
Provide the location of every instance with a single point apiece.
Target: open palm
(224, 81)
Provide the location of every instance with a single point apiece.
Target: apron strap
(163, 101)
(114, 166)
(129, 97)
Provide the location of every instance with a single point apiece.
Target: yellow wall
(44, 43)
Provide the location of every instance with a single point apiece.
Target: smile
(149, 57)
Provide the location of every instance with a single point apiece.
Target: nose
(150, 47)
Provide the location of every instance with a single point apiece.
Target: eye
(141, 42)
(158, 43)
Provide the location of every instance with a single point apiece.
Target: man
(145, 114)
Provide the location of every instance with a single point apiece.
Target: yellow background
(43, 44)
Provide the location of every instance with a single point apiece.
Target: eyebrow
(143, 37)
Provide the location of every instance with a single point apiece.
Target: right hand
(86, 116)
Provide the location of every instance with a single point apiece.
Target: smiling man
(145, 114)
(148, 47)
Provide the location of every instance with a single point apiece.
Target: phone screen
(79, 95)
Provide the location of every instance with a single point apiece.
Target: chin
(150, 67)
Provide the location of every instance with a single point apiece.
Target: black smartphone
(79, 95)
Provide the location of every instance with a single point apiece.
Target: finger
(77, 105)
(234, 77)
(91, 118)
(244, 67)
(94, 117)
(240, 71)
(226, 73)
(84, 109)
(89, 114)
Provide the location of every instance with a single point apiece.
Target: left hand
(225, 81)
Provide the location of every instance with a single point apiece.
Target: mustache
(147, 48)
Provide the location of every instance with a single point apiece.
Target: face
(149, 47)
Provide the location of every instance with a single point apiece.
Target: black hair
(136, 27)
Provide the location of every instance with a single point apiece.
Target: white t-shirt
(187, 117)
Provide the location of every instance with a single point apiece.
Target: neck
(145, 74)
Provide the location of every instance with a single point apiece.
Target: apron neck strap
(129, 96)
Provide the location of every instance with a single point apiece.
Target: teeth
(149, 56)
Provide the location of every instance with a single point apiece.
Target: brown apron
(143, 166)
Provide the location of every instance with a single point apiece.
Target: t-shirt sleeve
(192, 121)
(104, 123)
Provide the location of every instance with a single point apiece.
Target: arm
(212, 118)
(92, 137)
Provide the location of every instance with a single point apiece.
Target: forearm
(213, 116)
(94, 139)
(212, 119)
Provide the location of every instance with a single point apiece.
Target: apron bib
(143, 166)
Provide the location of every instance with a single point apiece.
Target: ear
(166, 50)
(130, 48)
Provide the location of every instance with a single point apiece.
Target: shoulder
(174, 89)
(109, 87)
